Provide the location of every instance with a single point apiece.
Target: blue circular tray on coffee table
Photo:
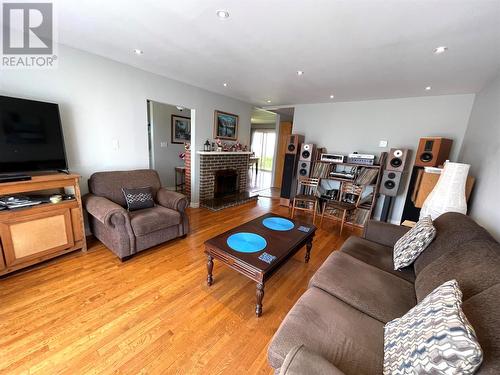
(277, 223)
(245, 242)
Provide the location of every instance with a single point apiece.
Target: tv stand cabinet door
(26, 238)
(2, 262)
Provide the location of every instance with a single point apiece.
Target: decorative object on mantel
(219, 146)
(218, 142)
(226, 125)
(449, 193)
(223, 152)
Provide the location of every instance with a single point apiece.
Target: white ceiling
(355, 49)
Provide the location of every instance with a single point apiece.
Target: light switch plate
(164, 144)
(382, 143)
(116, 144)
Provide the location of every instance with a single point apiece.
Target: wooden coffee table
(281, 244)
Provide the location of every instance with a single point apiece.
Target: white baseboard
(194, 204)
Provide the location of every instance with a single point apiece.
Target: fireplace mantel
(223, 152)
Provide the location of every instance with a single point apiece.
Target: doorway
(263, 146)
(169, 128)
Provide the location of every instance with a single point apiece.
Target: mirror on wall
(169, 128)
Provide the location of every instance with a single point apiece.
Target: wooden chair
(306, 199)
(333, 207)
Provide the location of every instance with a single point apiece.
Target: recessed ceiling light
(300, 72)
(440, 49)
(138, 51)
(222, 14)
(268, 100)
(224, 84)
(428, 88)
(332, 96)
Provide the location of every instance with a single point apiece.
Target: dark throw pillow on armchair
(139, 198)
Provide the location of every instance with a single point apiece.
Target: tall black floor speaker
(289, 180)
(410, 212)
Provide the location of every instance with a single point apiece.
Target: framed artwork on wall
(181, 129)
(226, 126)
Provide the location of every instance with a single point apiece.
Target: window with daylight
(263, 142)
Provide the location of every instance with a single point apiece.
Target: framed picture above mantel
(226, 126)
(181, 129)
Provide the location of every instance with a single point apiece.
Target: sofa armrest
(383, 233)
(171, 199)
(301, 360)
(106, 211)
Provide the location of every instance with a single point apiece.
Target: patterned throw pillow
(411, 245)
(434, 337)
(139, 198)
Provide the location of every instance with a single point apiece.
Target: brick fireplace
(222, 164)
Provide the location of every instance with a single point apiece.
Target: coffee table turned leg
(309, 245)
(260, 295)
(210, 267)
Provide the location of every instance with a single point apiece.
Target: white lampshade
(449, 193)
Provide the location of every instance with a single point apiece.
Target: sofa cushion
(138, 198)
(377, 293)
(413, 243)
(434, 337)
(474, 264)
(109, 184)
(300, 360)
(376, 255)
(383, 233)
(483, 313)
(153, 219)
(452, 229)
(344, 336)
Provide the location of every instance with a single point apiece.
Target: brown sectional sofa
(337, 325)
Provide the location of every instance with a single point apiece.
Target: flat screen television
(31, 137)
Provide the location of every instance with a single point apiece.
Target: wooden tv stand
(33, 234)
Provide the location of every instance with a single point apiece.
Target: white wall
(481, 149)
(165, 159)
(359, 126)
(102, 100)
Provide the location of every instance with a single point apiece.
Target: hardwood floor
(88, 313)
